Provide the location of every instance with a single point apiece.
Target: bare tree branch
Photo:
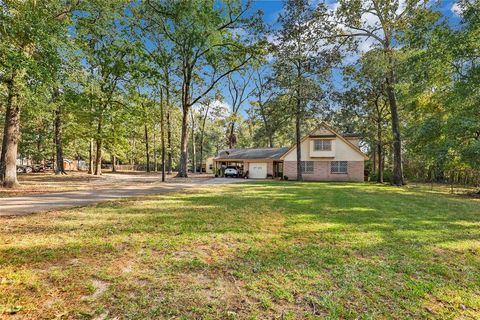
(215, 81)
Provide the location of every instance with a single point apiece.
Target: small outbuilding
(207, 166)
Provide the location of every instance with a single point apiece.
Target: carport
(258, 163)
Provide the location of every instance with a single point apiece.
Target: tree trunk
(231, 136)
(202, 134)
(374, 158)
(194, 150)
(147, 148)
(114, 163)
(169, 124)
(155, 165)
(201, 156)
(298, 116)
(90, 157)
(162, 135)
(397, 141)
(169, 141)
(383, 162)
(53, 157)
(98, 157)
(11, 137)
(380, 152)
(186, 105)
(4, 149)
(266, 125)
(182, 170)
(250, 129)
(132, 154)
(58, 141)
(298, 138)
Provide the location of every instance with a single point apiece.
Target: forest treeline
(166, 84)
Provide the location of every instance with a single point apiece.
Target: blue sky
(272, 8)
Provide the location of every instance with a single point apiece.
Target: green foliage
(444, 129)
(436, 80)
(105, 62)
(31, 33)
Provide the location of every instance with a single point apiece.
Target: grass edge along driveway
(256, 250)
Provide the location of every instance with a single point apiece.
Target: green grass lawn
(261, 250)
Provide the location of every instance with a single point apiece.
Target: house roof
(280, 153)
(248, 154)
(350, 135)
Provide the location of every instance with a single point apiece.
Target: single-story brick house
(326, 156)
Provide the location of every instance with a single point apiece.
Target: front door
(278, 169)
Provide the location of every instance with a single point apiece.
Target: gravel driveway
(128, 186)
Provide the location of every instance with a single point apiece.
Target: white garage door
(257, 170)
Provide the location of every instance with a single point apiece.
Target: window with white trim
(339, 167)
(307, 166)
(322, 145)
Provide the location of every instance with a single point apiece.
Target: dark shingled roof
(350, 135)
(247, 154)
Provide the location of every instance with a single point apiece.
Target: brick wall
(290, 170)
(270, 168)
(321, 171)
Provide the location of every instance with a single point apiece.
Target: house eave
(245, 160)
(322, 136)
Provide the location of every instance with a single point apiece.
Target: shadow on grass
(332, 246)
(396, 216)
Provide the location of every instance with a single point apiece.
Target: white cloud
(401, 6)
(456, 9)
(273, 38)
(333, 6)
(217, 107)
(366, 44)
(369, 21)
(223, 106)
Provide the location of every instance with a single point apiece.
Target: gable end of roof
(335, 133)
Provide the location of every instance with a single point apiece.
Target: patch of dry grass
(49, 182)
(259, 250)
(35, 183)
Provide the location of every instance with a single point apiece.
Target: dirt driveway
(111, 187)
